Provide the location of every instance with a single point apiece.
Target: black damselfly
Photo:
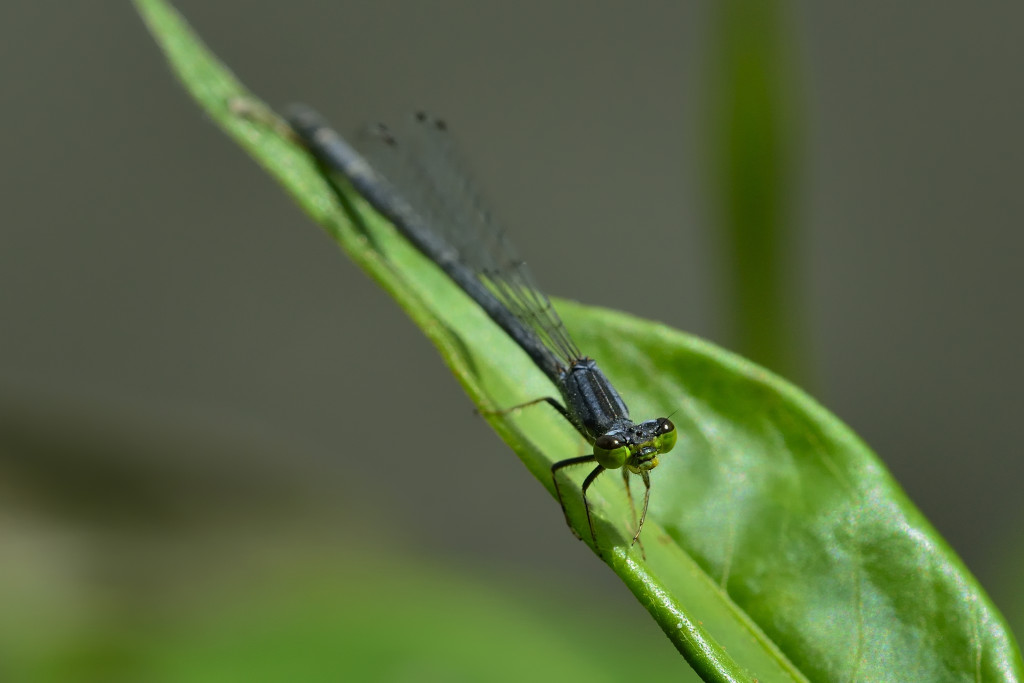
(411, 175)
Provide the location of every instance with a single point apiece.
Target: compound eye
(667, 435)
(611, 452)
(607, 442)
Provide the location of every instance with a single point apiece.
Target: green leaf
(777, 546)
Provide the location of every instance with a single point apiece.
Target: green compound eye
(610, 451)
(667, 440)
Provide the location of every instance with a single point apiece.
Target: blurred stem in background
(751, 125)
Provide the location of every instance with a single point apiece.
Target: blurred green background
(190, 373)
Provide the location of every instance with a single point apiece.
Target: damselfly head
(636, 446)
